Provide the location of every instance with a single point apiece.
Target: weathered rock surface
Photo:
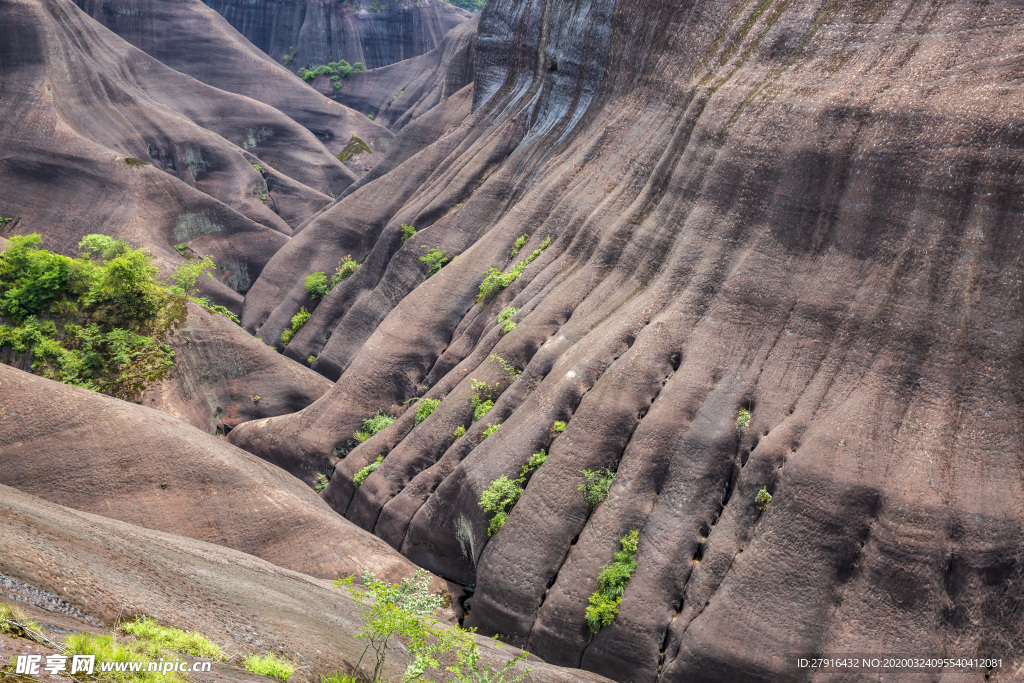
(112, 570)
(223, 376)
(808, 210)
(113, 458)
(194, 39)
(375, 32)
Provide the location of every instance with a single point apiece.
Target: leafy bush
(271, 665)
(425, 408)
(611, 583)
(595, 485)
(340, 68)
(373, 425)
(742, 421)
(407, 232)
(508, 326)
(346, 267)
(321, 482)
(338, 677)
(435, 259)
(763, 499)
(491, 428)
(403, 613)
(558, 427)
(298, 320)
(494, 280)
(481, 401)
(517, 245)
(317, 285)
(503, 493)
(148, 630)
(187, 275)
(310, 359)
(459, 432)
(507, 313)
(511, 372)
(362, 474)
(95, 322)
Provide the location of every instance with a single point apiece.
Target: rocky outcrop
(112, 570)
(375, 32)
(809, 211)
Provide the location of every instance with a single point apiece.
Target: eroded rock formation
(811, 211)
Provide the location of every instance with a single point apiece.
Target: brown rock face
(375, 32)
(811, 211)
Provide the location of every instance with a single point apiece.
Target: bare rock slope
(810, 211)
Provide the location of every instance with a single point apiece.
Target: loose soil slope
(810, 210)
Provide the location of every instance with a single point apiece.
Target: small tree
(595, 485)
(187, 275)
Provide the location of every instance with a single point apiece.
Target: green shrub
(362, 474)
(338, 677)
(339, 69)
(435, 259)
(507, 313)
(558, 427)
(373, 425)
(346, 267)
(517, 245)
(298, 320)
(482, 400)
(595, 485)
(503, 493)
(407, 232)
(148, 630)
(425, 408)
(763, 499)
(742, 421)
(494, 280)
(508, 326)
(321, 482)
(317, 285)
(271, 665)
(511, 372)
(491, 428)
(311, 359)
(106, 649)
(611, 583)
(459, 432)
(187, 275)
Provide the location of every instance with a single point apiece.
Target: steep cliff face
(811, 211)
(375, 32)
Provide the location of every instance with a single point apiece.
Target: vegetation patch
(147, 630)
(317, 285)
(435, 260)
(373, 425)
(491, 428)
(15, 623)
(96, 322)
(407, 232)
(321, 482)
(611, 583)
(495, 280)
(482, 399)
(346, 268)
(503, 493)
(425, 408)
(558, 427)
(132, 161)
(742, 421)
(517, 245)
(763, 499)
(459, 432)
(271, 665)
(298, 320)
(106, 649)
(362, 474)
(340, 68)
(356, 145)
(595, 485)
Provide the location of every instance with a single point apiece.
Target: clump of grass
(435, 259)
(491, 428)
(132, 161)
(106, 649)
(338, 677)
(459, 432)
(425, 408)
(558, 427)
(742, 421)
(611, 583)
(311, 359)
(503, 493)
(321, 482)
(407, 232)
(271, 665)
(346, 267)
(148, 630)
(16, 623)
(298, 320)
(595, 485)
(517, 245)
(362, 474)
(763, 499)
(373, 425)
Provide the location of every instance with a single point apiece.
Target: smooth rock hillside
(808, 210)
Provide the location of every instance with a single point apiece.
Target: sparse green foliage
(517, 245)
(187, 275)
(503, 493)
(425, 408)
(491, 428)
(15, 623)
(346, 267)
(495, 280)
(258, 168)
(298, 320)
(321, 482)
(397, 95)
(435, 259)
(311, 359)
(148, 630)
(508, 326)
(106, 649)
(611, 583)
(356, 145)
(482, 400)
(338, 677)
(595, 485)
(511, 372)
(507, 313)
(256, 398)
(317, 285)
(132, 161)
(742, 421)
(763, 499)
(373, 425)
(340, 68)
(459, 432)
(407, 232)
(362, 474)
(181, 248)
(270, 665)
(558, 427)
(94, 322)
